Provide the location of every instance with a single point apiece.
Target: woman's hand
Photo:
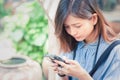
(71, 68)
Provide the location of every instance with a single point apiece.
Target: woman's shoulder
(116, 49)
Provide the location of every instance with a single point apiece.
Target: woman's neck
(91, 38)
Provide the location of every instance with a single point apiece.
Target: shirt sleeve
(113, 72)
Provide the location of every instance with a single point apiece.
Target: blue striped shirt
(85, 55)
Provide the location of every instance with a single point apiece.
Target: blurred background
(26, 26)
(23, 31)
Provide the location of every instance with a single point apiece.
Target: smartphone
(54, 57)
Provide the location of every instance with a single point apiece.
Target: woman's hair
(82, 9)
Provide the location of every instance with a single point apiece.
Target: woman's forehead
(72, 20)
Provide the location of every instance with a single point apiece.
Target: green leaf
(40, 40)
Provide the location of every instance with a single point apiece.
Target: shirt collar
(82, 44)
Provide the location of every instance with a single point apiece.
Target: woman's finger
(68, 61)
(62, 64)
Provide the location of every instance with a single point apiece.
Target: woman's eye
(77, 26)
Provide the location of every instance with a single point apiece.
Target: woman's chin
(79, 39)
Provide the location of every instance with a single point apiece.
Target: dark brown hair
(82, 9)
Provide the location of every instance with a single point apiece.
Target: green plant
(29, 30)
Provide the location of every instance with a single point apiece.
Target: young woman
(83, 32)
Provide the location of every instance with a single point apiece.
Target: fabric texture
(85, 55)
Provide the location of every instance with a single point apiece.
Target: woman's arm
(85, 76)
(72, 68)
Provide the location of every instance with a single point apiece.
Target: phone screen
(54, 57)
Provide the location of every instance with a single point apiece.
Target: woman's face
(80, 29)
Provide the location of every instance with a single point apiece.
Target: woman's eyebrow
(74, 24)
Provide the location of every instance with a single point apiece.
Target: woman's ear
(94, 18)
